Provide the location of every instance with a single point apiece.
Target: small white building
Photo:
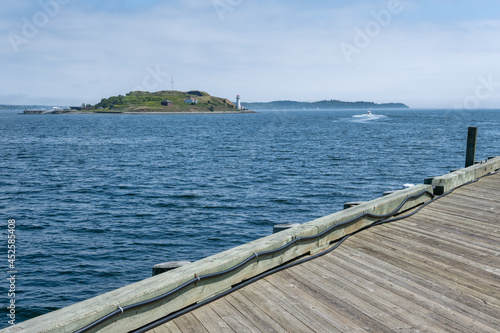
(191, 100)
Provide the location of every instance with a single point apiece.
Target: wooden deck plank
(402, 287)
(486, 189)
(212, 321)
(461, 203)
(465, 198)
(234, 320)
(405, 299)
(461, 211)
(481, 248)
(436, 271)
(444, 237)
(318, 311)
(472, 228)
(325, 303)
(285, 319)
(169, 327)
(430, 248)
(340, 283)
(441, 257)
(262, 320)
(469, 236)
(434, 274)
(189, 323)
(485, 197)
(295, 307)
(400, 275)
(354, 309)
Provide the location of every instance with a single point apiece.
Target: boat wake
(367, 117)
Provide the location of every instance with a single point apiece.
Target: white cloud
(261, 50)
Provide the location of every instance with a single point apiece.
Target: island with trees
(322, 105)
(196, 101)
(166, 101)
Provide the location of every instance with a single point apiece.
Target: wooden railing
(77, 316)
(330, 228)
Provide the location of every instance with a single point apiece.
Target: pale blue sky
(441, 53)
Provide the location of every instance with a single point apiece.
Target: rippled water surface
(100, 199)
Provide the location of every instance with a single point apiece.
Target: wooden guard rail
(454, 179)
(81, 314)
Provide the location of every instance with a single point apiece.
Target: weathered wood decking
(437, 271)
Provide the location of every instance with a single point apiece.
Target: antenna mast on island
(172, 83)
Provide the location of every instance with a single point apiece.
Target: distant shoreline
(322, 105)
(139, 112)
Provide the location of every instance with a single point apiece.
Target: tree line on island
(166, 101)
(207, 101)
(322, 105)
(195, 100)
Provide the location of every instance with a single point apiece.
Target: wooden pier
(436, 271)
(34, 111)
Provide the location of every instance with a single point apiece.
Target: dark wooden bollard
(352, 204)
(281, 227)
(168, 266)
(470, 155)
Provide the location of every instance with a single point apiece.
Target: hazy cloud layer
(423, 53)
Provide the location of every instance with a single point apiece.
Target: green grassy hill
(141, 101)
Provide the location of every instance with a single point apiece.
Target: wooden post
(281, 227)
(470, 156)
(352, 204)
(168, 266)
(428, 180)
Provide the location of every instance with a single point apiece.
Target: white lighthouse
(238, 102)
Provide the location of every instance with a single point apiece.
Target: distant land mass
(196, 101)
(17, 107)
(165, 101)
(321, 105)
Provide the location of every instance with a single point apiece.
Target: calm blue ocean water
(99, 199)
